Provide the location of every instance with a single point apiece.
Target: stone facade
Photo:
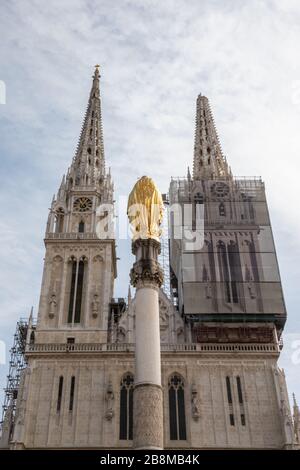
(266, 408)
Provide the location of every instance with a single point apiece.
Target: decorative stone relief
(148, 408)
(163, 320)
(95, 305)
(109, 400)
(52, 305)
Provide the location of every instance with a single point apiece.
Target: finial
(145, 200)
(294, 399)
(97, 71)
(30, 317)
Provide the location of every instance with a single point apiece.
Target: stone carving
(52, 305)
(148, 409)
(218, 334)
(195, 403)
(286, 415)
(95, 306)
(163, 320)
(109, 399)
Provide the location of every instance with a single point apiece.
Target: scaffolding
(164, 255)
(17, 363)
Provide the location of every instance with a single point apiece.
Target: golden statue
(145, 209)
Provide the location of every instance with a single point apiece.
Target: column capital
(146, 271)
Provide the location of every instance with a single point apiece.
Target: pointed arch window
(223, 263)
(229, 398)
(177, 408)
(126, 407)
(72, 391)
(198, 199)
(231, 271)
(76, 291)
(235, 270)
(81, 227)
(222, 210)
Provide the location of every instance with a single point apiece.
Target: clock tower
(80, 264)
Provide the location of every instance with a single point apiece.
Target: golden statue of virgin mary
(145, 209)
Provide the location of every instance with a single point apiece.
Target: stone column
(146, 275)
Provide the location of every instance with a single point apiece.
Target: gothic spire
(89, 163)
(209, 161)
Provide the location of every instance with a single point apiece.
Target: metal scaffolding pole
(17, 363)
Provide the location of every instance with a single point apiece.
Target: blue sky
(155, 57)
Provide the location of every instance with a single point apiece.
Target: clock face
(220, 189)
(83, 204)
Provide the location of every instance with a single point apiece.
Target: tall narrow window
(59, 220)
(72, 390)
(241, 401)
(177, 408)
(72, 291)
(230, 268)
(229, 397)
(81, 227)
(126, 407)
(223, 263)
(235, 269)
(239, 389)
(59, 396)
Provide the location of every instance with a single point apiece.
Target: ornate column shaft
(147, 276)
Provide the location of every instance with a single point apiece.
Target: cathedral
(221, 315)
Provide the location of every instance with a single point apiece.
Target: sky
(155, 58)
